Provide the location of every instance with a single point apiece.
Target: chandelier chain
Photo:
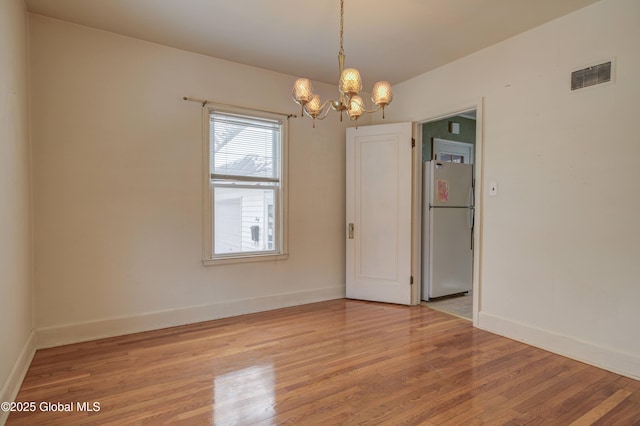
(341, 26)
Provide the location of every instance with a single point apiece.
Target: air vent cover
(591, 76)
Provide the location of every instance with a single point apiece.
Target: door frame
(416, 261)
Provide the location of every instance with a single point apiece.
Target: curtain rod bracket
(202, 101)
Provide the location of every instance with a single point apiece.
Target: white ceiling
(386, 40)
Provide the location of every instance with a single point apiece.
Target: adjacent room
(342, 212)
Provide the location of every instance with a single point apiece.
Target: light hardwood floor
(329, 363)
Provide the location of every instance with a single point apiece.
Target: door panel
(378, 242)
(379, 207)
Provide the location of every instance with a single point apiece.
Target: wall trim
(609, 359)
(85, 331)
(13, 383)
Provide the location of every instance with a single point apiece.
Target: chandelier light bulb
(302, 91)
(382, 94)
(314, 106)
(356, 107)
(350, 82)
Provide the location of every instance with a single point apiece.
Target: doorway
(451, 138)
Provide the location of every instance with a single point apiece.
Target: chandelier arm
(323, 112)
(322, 115)
(369, 111)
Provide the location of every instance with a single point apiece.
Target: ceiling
(384, 39)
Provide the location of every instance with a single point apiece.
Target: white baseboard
(610, 359)
(12, 385)
(74, 333)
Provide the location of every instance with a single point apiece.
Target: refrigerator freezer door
(451, 184)
(451, 256)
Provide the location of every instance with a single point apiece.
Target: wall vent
(591, 76)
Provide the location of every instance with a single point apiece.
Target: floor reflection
(245, 396)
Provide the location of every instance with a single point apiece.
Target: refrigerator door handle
(472, 210)
(472, 218)
(471, 193)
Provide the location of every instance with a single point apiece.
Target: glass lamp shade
(313, 107)
(350, 82)
(302, 91)
(382, 94)
(356, 107)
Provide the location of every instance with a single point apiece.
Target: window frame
(280, 193)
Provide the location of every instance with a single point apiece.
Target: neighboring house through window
(245, 190)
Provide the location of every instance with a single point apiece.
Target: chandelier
(349, 86)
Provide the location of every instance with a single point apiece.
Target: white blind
(244, 146)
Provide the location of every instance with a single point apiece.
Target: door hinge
(413, 142)
(411, 280)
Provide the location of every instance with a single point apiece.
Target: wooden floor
(329, 363)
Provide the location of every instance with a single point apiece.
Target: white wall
(560, 251)
(15, 201)
(118, 188)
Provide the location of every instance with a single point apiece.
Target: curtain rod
(204, 102)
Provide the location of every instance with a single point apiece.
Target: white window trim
(283, 205)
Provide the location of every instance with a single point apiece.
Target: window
(451, 158)
(245, 189)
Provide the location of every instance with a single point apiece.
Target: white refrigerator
(447, 229)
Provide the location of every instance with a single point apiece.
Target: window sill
(245, 259)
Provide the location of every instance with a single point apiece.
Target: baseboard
(12, 385)
(610, 359)
(74, 333)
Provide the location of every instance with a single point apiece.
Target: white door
(452, 151)
(379, 176)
